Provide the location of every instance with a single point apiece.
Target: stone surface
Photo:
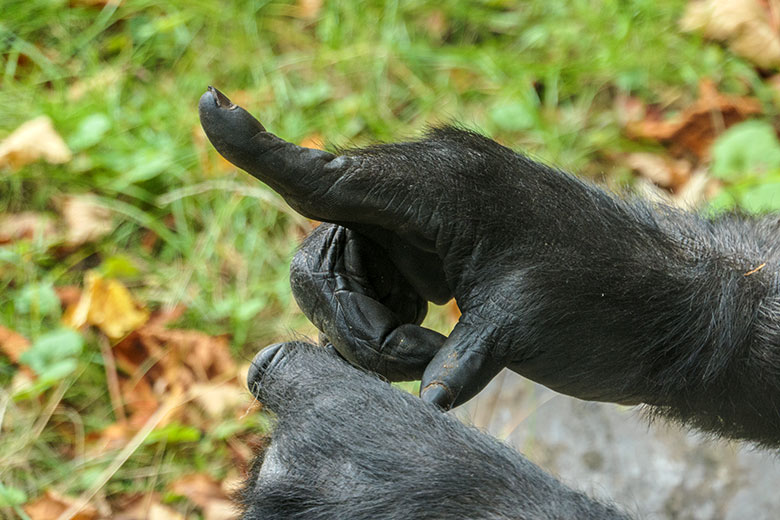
(654, 471)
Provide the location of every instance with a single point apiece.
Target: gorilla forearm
(669, 318)
(347, 445)
(615, 299)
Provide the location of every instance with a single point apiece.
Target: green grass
(122, 83)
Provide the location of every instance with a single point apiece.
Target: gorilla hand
(348, 445)
(591, 295)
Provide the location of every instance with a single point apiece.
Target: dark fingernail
(263, 362)
(439, 394)
(221, 99)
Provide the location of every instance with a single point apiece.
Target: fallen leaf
(187, 356)
(52, 505)
(86, 221)
(146, 507)
(140, 399)
(36, 139)
(108, 305)
(68, 294)
(25, 225)
(220, 510)
(662, 170)
(309, 9)
(695, 129)
(199, 488)
(173, 362)
(436, 24)
(219, 400)
(161, 318)
(207, 494)
(312, 141)
(699, 188)
(12, 344)
(746, 26)
(628, 109)
(111, 438)
(105, 77)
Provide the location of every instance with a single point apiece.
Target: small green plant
(53, 356)
(747, 159)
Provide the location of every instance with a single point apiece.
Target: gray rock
(655, 471)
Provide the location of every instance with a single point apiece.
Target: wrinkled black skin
(347, 445)
(589, 294)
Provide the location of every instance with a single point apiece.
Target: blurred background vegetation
(190, 241)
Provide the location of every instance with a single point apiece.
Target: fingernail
(221, 99)
(438, 394)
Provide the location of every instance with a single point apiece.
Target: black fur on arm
(596, 296)
(630, 302)
(348, 445)
(712, 355)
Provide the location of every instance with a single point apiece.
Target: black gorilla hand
(355, 295)
(591, 295)
(424, 233)
(347, 445)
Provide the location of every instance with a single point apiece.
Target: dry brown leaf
(174, 360)
(628, 109)
(663, 171)
(436, 24)
(221, 399)
(12, 344)
(312, 141)
(188, 356)
(699, 188)
(68, 294)
(142, 402)
(112, 438)
(104, 78)
(36, 139)
(52, 504)
(745, 25)
(199, 488)
(220, 510)
(86, 220)
(695, 129)
(25, 225)
(146, 507)
(309, 9)
(140, 399)
(161, 318)
(108, 305)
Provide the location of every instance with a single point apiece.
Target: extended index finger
(316, 183)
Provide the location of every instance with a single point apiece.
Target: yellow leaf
(86, 220)
(108, 305)
(36, 139)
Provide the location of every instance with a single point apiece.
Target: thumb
(462, 367)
